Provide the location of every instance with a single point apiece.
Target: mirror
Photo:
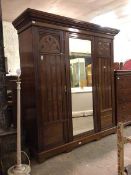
(81, 85)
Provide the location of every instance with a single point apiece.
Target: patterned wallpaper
(11, 47)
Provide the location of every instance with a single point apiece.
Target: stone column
(3, 99)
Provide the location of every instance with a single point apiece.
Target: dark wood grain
(104, 82)
(40, 16)
(46, 86)
(73, 144)
(123, 95)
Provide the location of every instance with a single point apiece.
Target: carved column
(3, 100)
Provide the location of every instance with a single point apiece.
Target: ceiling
(109, 13)
(85, 10)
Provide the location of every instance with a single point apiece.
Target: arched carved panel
(50, 44)
(103, 49)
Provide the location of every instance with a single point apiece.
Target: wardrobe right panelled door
(104, 84)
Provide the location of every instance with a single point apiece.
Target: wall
(122, 41)
(11, 47)
(122, 44)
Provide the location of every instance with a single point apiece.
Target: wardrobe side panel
(28, 97)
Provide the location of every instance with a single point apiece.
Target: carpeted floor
(95, 158)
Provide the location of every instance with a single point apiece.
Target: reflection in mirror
(81, 85)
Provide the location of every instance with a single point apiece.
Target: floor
(95, 158)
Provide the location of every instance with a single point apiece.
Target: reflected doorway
(81, 85)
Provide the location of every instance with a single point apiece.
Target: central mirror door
(81, 85)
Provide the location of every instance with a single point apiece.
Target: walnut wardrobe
(51, 81)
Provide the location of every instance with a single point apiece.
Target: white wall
(122, 44)
(11, 47)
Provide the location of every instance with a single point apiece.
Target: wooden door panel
(53, 94)
(105, 84)
(105, 81)
(53, 134)
(53, 89)
(106, 118)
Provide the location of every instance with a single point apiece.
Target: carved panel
(103, 49)
(50, 44)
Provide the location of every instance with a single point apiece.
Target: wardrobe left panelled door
(54, 121)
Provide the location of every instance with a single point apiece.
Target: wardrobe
(51, 81)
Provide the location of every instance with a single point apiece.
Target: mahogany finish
(46, 87)
(123, 95)
(104, 77)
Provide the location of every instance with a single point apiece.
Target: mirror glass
(81, 85)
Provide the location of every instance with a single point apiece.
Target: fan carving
(49, 43)
(104, 49)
